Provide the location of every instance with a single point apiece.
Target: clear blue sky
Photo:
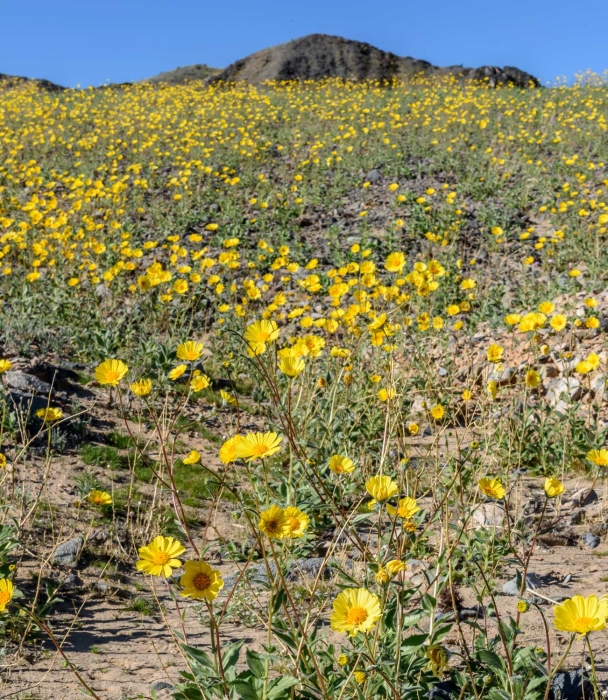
(87, 42)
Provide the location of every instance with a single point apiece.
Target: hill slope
(179, 76)
(320, 55)
(10, 81)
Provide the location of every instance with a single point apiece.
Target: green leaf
(491, 659)
(230, 654)
(286, 637)
(411, 619)
(279, 600)
(255, 663)
(246, 690)
(278, 687)
(199, 656)
(441, 632)
(414, 640)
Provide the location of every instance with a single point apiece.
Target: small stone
(563, 389)
(533, 581)
(26, 403)
(415, 572)
(506, 377)
(67, 552)
(582, 497)
(598, 387)
(488, 515)
(157, 686)
(26, 382)
(591, 540)
(444, 690)
(571, 685)
(373, 175)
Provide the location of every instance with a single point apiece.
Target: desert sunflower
(355, 610)
(291, 366)
(49, 415)
(200, 382)
(159, 557)
(598, 457)
(192, 457)
(492, 488)
(406, 508)
(177, 372)
(110, 372)
(581, 615)
(6, 593)
(99, 498)
(256, 445)
(142, 387)
(189, 351)
(228, 449)
(553, 487)
(201, 581)
(381, 488)
(274, 523)
(298, 521)
(339, 464)
(259, 333)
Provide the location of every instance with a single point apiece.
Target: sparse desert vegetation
(303, 391)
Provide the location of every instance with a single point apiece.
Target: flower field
(303, 391)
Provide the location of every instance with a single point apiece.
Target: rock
(418, 408)
(571, 685)
(68, 552)
(26, 403)
(598, 387)
(506, 377)
(26, 382)
(556, 539)
(548, 371)
(563, 389)
(73, 581)
(488, 515)
(157, 686)
(59, 376)
(591, 540)
(532, 583)
(444, 690)
(415, 572)
(299, 569)
(582, 497)
(373, 175)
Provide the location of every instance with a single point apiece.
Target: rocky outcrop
(319, 56)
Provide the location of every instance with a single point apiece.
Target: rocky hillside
(10, 81)
(319, 56)
(185, 74)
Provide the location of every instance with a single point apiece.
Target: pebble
(533, 581)
(67, 552)
(591, 540)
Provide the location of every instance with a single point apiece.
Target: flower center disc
(294, 524)
(201, 582)
(161, 558)
(4, 597)
(356, 615)
(583, 624)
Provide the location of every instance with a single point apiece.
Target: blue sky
(82, 42)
